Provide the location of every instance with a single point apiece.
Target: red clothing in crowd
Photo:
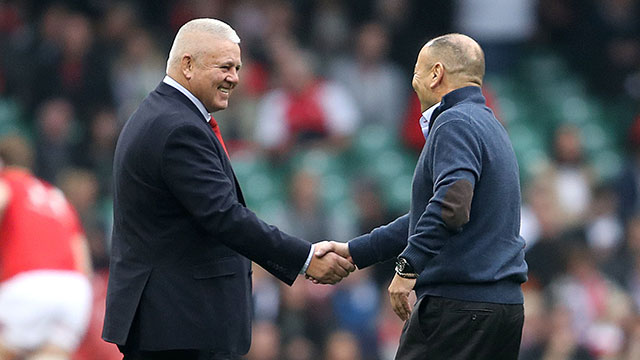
(38, 228)
(412, 133)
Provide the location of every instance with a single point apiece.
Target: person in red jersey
(45, 294)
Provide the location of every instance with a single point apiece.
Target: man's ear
(187, 65)
(436, 76)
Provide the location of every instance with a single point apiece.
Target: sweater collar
(467, 93)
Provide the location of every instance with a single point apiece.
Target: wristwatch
(404, 269)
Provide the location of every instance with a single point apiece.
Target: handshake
(330, 263)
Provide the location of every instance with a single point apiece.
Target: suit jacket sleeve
(193, 171)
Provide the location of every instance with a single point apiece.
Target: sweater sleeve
(381, 244)
(456, 164)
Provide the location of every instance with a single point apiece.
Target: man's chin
(219, 106)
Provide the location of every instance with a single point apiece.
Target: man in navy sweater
(459, 246)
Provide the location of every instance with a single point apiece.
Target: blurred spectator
(266, 296)
(356, 304)
(502, 27)
(571, 177)
(330, 28)
(377, 85)
(542, 229)
(300, 348)
(96, 151)
(628, 182)
(293, 317)
(633, 341)
(304, 110)
(604, 231)
(306, 310)
(305, 216)
(117, 23)
(410, 24)
(45, 295)
(560, 341)
(73, 68)
(81, 188)
(12, 40)
(614, 28)
(250, 21)
(561, 23)
(136, 72)
(282, 18)
(597, 306)
(265, 343)
(372, 213)
(56, 140)
(342, 345)
(624, 267)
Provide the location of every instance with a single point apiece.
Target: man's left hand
(399, 291)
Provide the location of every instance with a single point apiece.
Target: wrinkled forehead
(424, 57)
(218, 49)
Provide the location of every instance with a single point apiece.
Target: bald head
(462, 57)
(194, 36)
(447, 63)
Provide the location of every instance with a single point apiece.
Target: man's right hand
(330, 248)
(329, 268)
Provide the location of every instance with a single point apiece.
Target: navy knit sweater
(462, 232)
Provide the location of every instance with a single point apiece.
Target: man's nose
(233, 76)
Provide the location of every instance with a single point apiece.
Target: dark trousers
(450, 329)
(175, 355)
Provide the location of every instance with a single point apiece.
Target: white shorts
(44, 307)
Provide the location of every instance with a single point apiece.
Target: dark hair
(15, 150)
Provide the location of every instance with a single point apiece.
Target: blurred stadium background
(323, 136)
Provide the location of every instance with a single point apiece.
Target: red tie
(216, 130)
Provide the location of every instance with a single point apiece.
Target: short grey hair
(210, 26)
(460, 54)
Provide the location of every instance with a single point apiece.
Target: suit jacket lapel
(171, 91)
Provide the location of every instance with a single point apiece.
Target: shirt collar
(425, 120)
(171, 82)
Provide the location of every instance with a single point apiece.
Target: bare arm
(5, 196)
(81, 254)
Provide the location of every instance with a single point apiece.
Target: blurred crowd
(316, 76)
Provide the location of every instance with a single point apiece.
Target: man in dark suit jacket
(180, 272)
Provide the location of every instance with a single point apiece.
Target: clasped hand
(330, 263)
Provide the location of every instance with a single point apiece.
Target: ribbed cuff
(414, 258)
(361, 251)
